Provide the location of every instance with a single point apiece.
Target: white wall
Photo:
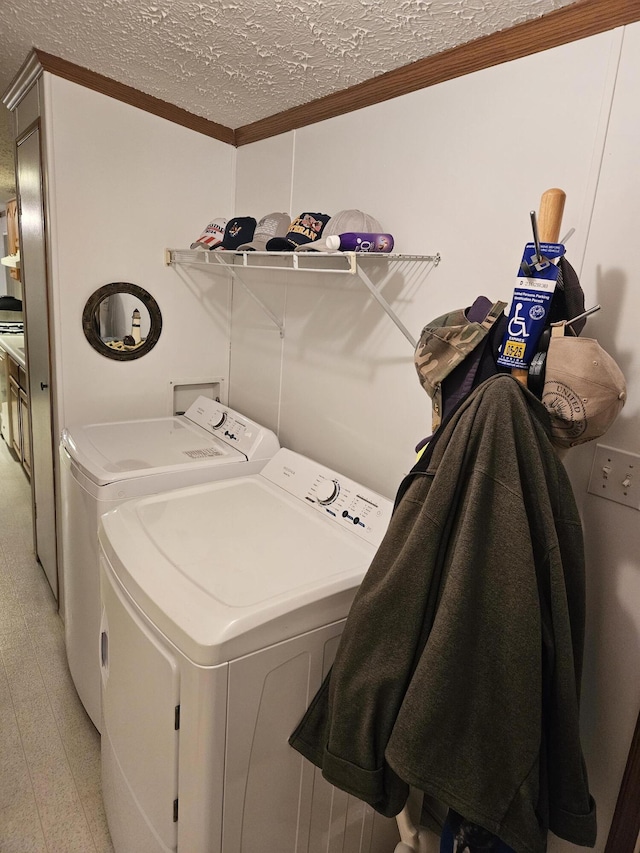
(456, 168)
(124, 185)
(612, 538)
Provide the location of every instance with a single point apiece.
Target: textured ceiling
(237, 61)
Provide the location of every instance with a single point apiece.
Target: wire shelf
(359, 264)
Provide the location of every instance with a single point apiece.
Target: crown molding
(570, 23)
(580, 20)
(25, 78)
(133, 97)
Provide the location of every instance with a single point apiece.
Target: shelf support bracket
(375, 292)
(257, 299)
(216, 259)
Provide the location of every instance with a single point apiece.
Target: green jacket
(459, 668)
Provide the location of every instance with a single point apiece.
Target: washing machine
(223, 606)
(103, 465)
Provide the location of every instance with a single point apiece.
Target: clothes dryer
(103, 465)
(223, 606)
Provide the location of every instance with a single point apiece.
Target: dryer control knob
(327, 492)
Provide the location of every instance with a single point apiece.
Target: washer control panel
(341, 500)
(233, 428)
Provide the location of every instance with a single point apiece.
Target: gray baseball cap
(271, 225)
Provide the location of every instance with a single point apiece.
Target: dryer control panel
(341, 500)
(247, 436)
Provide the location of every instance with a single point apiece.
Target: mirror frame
(625, 826)
(91, 332)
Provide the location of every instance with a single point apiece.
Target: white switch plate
(615, 475)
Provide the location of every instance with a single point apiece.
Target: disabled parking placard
(532, 297)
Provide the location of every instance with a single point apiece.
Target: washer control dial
(327, 491)
(218, 419)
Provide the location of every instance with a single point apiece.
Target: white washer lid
(227, 568)
(110, 452)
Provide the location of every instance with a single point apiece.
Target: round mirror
(122, 321)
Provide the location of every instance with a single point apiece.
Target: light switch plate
(615, 475)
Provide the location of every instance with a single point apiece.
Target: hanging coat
(459, 668)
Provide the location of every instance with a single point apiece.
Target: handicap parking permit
(532, 297)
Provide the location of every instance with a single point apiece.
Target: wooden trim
(580, 20)
(133, 97)
(625, 827)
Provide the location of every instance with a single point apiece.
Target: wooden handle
(549, 221)
(521, 374)
(550, 215)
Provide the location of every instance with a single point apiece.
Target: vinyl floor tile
(50, 788)
(20, 828)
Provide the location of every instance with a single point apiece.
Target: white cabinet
(19, 418)
(5, 421)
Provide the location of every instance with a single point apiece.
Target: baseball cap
(584, 390)
(238, 230)
(446, 341)
(343, 222)
(211, 236)
(305, 228)
(271, 225)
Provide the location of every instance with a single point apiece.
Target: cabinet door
(14, 416)
(5, 423)
(25, 429)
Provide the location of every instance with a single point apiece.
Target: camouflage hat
(448, 340)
